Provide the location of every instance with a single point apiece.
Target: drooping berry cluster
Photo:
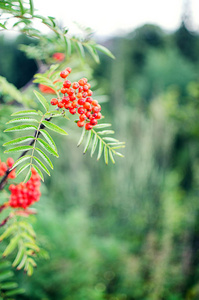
(25, 194)
(77, 99)
(5, 166)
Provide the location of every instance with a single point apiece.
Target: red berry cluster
(5, 166)
(25, 194)
(77, 99)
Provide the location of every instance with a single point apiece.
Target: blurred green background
(131, 230)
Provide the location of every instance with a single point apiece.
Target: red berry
(54, 101)
(63, 90)
(79, 95)
(86, 87)
(75, 85)
(67, 84)
(10, 162)
(89, 99)
(82, 82)
(68, 69)
(81, 101)
(93, 121)
(74, 104)
(72, 111)
(82, 117)
(80, 123)
(81, 110)
(64, 74)
(60, 104)
(88, 126)
(99, 115)
(94, 102)
(87, 106)
(89, 93)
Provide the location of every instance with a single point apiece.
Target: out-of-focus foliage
(129, 231)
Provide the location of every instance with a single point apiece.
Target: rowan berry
(89, 93)
(84, 94)
(75, 85)
(93, 121)
(67, 84)
(86, 87)
(82, 82)
(60, 104)
(96, 109)
(82, 117)
(80, 123)
(74, 104)
(94, 102)
(99, 115)
(72, 111)
(81, 110)
(88, 126)
(64, 73)
(63, 90)
(89, 99)
(81, 101)
(79, 95)
(54, 101)
(68, 105)
(87, 106)
(10, 162)
(68, 69)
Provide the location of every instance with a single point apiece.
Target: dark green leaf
(19, 140)
(21, 128)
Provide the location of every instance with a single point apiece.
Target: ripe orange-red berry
(81, 110)
(72, 111)
(88, 126)
(64, 74)
(93, 121)
(67, 84)
(54, 101)
(80, 123)
(75, 85)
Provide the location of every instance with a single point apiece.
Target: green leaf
(45, 157)
(22, 263)
(88, 141)
(80, 49)
(42, 100)
(104, 50)
(111, 156)
(28, 227)
(68, 46)
(8, 232)
(22, 119)
(19, 256)
(19, 148)
(28, 175)
(30, 270)
(106, 132)
(21, 127)
(11, 246)
(41, 165)
(32, 246)
(19, 140)
(106, 155)
(25, 112)
(31, 7)
(20, 160)
(14, 292)
(5, 275)
(110, 139)
(118, 154)
(9, 285)
(38, 171)
(81, 137)
(21, 7)
(48, 138)
(54, 127)
(94, 145)
(47, 147)
(103, 125)
(22, 169)
(101, 145)
(93, 53)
